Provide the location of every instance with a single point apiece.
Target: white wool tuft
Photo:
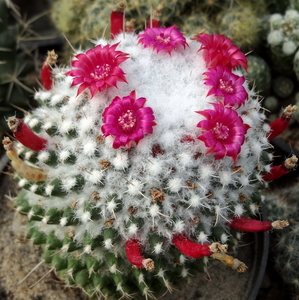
(175, 184)
(22, 182)
(134, 187)
(43, 156)
(158, 248)
(224, 238)
(63, 221)
(89, 147)
(64, 154)
(179, 226)
(202, 237)
(120, 162)
(239, 210)
(108, 244)
(33, 122)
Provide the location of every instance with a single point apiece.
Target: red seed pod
(25, 135)
(46, 71)
(134, 255)
(250, 225)
(278, 171)
(117, 20)
(280, 124)
(155, 18)
(46, 76)
(194, 250)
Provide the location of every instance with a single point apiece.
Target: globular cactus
(82, 20)
(283, 39)
(259, 74)
(242, 24)
(131, 190)
(284, 202)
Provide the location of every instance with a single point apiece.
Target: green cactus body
(101, 200)
(82, 20)
(283, 202)
(242, 25)
(259, 75)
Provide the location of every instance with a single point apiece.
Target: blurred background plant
(21, 54)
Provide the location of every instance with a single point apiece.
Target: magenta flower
(227, 85)
(162, 38)
(128, 120)
(97, 69)
(219, 50)
(224, 131)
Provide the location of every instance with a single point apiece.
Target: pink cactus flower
(128, 120)
(227, 85)
(224, 131)
(166, 39)
(97, 69)
(219, 50)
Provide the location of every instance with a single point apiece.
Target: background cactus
(16, 67)
(283, 39)
(259, 74)
(283, 201)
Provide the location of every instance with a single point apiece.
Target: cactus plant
(284, 202)
(283, 39)
(259, 74)
(145, 159)
(243, 25)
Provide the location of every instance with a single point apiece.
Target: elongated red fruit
(25, 135)
(250, 225)
(194, 250)
(280, 124)
(46, 71)
(117, 20)
(46, 76)
(155, 18)
(135, 257)
(278, 171)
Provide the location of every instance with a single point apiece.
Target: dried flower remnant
(166, 39)
(226, 85)
(97, 69)
(224, 131)
(128, 120)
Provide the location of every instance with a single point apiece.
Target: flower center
(226, 86)
(127, 121)
(162, 40)
(101, 72)
(221, 132)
